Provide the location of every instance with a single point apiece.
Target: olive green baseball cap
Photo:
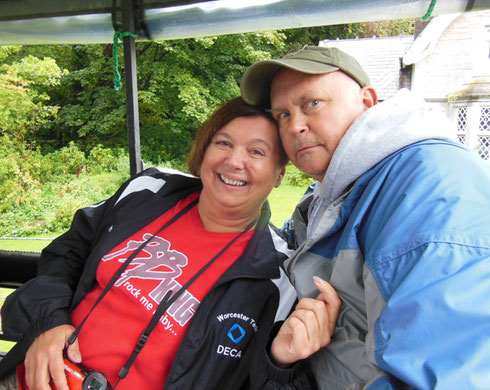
(256, 82)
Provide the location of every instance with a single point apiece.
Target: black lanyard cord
(123, 267)
(168, 300)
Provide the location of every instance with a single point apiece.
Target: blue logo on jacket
(236, 333)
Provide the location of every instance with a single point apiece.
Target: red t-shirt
(110, 333)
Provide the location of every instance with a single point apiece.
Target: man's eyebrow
(272, 110)
(305, 97)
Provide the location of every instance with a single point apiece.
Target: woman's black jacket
(253, 288)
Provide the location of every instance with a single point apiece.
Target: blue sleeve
(427, 245)
(433, 331)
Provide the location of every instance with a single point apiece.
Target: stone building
(447, 62)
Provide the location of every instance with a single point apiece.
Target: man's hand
(44, 358)
(309, 327)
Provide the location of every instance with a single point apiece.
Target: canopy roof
(93, 21)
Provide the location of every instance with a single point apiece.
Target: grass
(283, 200)
(4, 345)
(28, 245)
(24, 245)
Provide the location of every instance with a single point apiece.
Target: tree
(296, 38)
(24, 103)
(180, 83)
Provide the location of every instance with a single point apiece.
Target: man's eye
(312, 103)
(282, 115)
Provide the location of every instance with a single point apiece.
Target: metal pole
(130, 75)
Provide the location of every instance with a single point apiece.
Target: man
(398, 223)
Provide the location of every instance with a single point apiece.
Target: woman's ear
(369, 96)
(282, 172)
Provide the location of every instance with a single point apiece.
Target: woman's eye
(257, 152)
(222, 143)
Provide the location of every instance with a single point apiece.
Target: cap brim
(256, 82)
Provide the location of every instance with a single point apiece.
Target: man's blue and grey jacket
(400, 226)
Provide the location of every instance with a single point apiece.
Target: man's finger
(327, 292)
(291, 343)
(331, 299)
(315, 304)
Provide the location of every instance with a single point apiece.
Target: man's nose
(297, 123)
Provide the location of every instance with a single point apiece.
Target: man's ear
(280, 177)
(369, 96)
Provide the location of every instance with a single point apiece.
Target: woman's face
(241, 165)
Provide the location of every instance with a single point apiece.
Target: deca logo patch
(236, 333)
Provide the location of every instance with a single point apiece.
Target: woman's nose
(236, 158)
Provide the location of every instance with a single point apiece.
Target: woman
(202, 249)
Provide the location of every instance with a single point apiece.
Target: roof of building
(477, 89)
(383, 68)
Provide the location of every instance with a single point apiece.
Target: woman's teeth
(233, 182)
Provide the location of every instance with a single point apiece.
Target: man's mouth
(304, 148)
(236, 183)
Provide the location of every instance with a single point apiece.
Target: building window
(483, 146)
(462, 121)
(473, 128)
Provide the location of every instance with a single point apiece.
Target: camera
(80, 377)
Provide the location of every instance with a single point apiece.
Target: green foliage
(18, 173)
(180, 164)
(296, 38)
(101, 159)
(40, 193)
(182, 82)
(8, 51)
(295, 177)
(51, 209)
(24, 103)
(390, 28)
(69, 159)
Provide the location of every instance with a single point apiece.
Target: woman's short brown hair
(234, 108)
